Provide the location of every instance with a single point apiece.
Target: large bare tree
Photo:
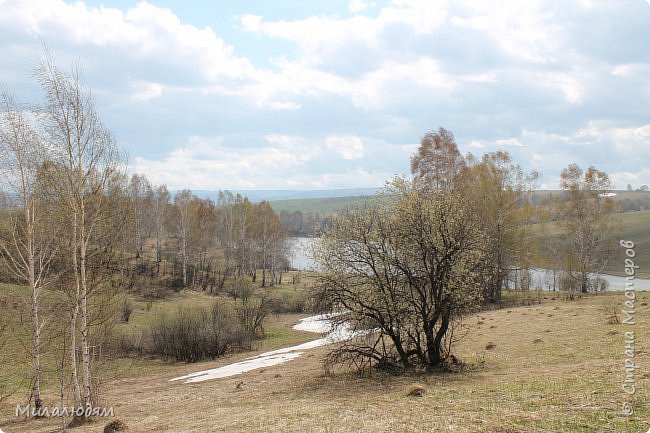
(28, 246)
(587, 218)
(499, 189)
(85, 164)
(403, 272)
(437, 163)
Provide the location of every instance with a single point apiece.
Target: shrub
(416, 390)
(191, 335)
(115, 426)
(289, 303)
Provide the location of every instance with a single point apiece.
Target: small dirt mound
(115, 426)
(490, 345)
(538, 340)
(416, 390)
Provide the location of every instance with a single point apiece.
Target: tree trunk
(36, 326)
(73, 319)
(85, 352)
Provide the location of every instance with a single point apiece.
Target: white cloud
(509, 142)
(143, 31)
(634, 178)
(347, 146)
(286, 105)
(356, 6)
(282, 163)
(377, 88)
(145, 91)
(484, 70)
(523, 30)
(208, 163)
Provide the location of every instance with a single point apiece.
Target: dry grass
(570, 382)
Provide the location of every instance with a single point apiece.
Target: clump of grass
(416, 390)
(115, 426)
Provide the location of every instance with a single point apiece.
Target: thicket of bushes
(191, 335)
(194, 334)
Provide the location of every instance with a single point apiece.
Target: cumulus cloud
(537, 78)
(283, 161)
(347, 146)
(356, 6)
(146, 91)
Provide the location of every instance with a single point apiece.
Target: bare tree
(85, 163)
(29, 248)
(159, 209)
(587, 216)
(499, 190)
(403, 272)
(437, 162)
(141, 197)
(184, 219)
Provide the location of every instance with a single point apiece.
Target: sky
(306, 94)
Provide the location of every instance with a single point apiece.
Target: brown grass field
(554, 367)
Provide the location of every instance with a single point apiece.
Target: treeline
(78, 233)
(184, 241)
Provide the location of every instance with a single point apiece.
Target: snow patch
(319, 324)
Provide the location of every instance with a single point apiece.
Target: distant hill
(256, 195)
(323, 206)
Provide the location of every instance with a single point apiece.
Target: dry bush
(416, 390)
(193, 335)
(115, 426)
(611, 313)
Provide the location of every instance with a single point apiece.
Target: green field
(635, 227)
(330, 205)
(322, 206)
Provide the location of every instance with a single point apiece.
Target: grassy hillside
(15, 334)
(323, 206)
(634, 226)
(561, 371)
(327, 206)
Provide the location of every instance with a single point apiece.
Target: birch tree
(184, 220)
(141, 197)
(437, 163)
(85, 163)
(159, 209)
(28, 249)
(498, 188)
(587, 218)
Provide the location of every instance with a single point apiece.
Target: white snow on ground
(319, 324)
